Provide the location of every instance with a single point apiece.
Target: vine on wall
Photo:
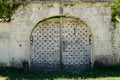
(6, 10)
(113, 28)
(114, 49)
(115, 17)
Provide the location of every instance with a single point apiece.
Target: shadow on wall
(110, 59)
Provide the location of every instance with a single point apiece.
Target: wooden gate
(60, 43)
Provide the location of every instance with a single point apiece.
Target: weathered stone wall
(15, 36)
(117, 40)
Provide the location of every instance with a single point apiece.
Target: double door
(60, 43)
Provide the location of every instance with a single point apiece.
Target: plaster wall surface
(15, 35)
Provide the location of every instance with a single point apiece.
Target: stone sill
(36, 1)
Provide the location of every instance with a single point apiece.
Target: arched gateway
(60, 43)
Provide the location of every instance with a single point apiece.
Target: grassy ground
(106, 73)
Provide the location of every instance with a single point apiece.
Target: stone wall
(117, 40)
(15, 35)
(63, 0)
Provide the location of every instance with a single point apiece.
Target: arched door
(60, 43)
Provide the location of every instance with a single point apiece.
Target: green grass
(105, 73)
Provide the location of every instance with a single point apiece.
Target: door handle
(89, 39)
(31, 40)
(64, 44)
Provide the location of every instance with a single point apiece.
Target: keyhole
(74, 30)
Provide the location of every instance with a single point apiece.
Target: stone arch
(65, 16)
(81, 30)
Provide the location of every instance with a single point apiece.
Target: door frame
(60, 17)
